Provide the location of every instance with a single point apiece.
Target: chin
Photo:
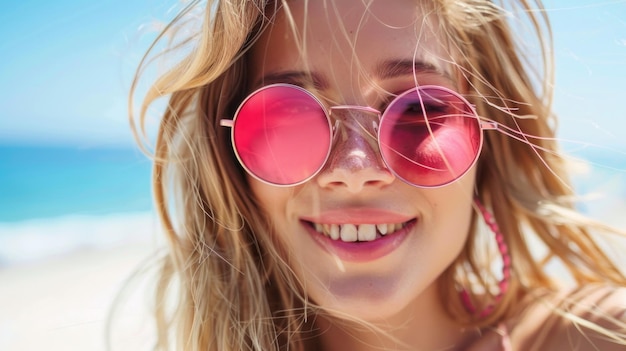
(370, 304)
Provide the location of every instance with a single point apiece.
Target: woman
(342, 173)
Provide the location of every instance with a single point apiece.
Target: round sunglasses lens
(282, 135)
(429, 136)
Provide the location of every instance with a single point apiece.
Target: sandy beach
(63, 303)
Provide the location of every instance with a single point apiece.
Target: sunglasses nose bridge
(351, 116)
(353, 121)
(355, 158)
(365, 109)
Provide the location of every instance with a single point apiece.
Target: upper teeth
(356, 232)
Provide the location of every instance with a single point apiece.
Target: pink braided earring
(506, 263)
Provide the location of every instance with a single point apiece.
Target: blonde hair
(231, 285)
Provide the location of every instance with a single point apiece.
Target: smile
(360, 242)
(357, 232)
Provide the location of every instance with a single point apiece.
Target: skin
(403, 284)
(398, 291)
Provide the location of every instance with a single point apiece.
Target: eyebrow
(300, 78)
(387, 69)
(394, 68)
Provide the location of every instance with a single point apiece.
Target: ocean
(44, 182)
(54, 200)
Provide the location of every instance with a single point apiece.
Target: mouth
(352, 232)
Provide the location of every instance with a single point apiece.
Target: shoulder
(592, 317)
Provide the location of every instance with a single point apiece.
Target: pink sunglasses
(428, 136)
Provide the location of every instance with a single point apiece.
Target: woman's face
(354, 53)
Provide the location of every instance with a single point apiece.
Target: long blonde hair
(231, 286)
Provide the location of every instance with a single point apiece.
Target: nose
(355, 162)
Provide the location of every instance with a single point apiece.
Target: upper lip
(356, 215)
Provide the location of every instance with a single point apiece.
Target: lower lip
(363, 251)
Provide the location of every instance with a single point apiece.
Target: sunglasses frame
(482, 125)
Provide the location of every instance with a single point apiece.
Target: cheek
(270, 198)
(276, 204)
(452, 222)
(452, 209)
(273, 203)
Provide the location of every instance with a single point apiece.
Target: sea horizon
(48, 181)
(59, 199)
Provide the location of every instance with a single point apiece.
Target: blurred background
(69, 165)
(75, 200)
(74, 184)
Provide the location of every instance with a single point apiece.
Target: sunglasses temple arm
(226, 123)
(488, 125)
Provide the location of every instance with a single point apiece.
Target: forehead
(346, 40)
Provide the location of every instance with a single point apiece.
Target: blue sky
(590, 50)
(65, 68)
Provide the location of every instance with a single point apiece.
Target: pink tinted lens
(282, 135)
(429, 136)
